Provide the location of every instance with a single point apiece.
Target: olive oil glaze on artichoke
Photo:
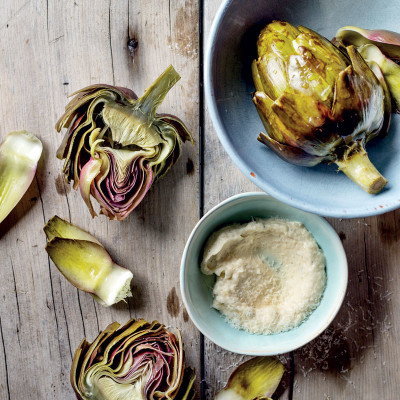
(318, 103)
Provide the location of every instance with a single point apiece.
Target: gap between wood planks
(201, 170)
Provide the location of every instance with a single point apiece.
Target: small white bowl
(196, 287)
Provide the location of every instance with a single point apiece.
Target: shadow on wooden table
(357, 338)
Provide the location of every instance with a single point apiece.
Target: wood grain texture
(48, 50)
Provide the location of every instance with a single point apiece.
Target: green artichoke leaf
(57, 227)
(306, 118)
(388, 100)
(292, 154)
(19, 155)
(272, 64)
(277, 37)
(371, 96)
(85, 263)
(323, 47)
(315, 69)
(257, 378)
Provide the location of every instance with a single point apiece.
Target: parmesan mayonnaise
(270, 274)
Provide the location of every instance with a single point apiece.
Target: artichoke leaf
(57, 227)
(85, 263)
(388, 100)
(19, 155)
(89, 267)
(294, 155)
(179, 126)
(88, 174)
(390, 70)
(257, 378)
(278, 37)
(387, 41)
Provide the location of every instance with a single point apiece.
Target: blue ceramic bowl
(196, 287)
(228, 86)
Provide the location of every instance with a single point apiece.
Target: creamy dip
(270, 274)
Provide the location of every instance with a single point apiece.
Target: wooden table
(49, 49)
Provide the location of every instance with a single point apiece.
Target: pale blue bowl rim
(241, 164)
(301, 341)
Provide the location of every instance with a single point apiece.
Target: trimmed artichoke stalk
(85, 263)
(257, 378)
(359, 169)
(139, 360)
(19, 155)
(116, 146)
(319, 103)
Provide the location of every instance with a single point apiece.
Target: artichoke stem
(358, 167)
(155, 94)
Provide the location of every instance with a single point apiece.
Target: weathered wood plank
(357, 356)
(48, 50)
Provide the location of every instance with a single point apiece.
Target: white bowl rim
(233, 154)
(277, 349)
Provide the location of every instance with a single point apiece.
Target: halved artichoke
(140, 360)
(318, 103)
(116, 145)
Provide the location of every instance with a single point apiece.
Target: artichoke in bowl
(318, 103)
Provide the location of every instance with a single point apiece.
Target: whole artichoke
(318, 103)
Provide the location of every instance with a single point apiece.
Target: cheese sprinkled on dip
(270, 274)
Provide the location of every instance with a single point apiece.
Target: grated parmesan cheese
(270, 274)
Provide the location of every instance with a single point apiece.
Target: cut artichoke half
(85, 263)
(116, 145)
(139, 360)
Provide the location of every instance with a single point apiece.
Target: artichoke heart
(319, 103)
(116, 146)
